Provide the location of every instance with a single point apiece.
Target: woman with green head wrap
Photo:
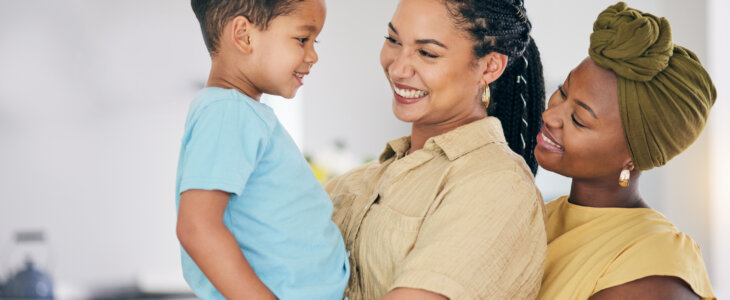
(637, 101)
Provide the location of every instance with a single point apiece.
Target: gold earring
(485, 96)
(623, 178)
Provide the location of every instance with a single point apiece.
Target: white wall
(93, 96)
(719, 62)
(348, 97)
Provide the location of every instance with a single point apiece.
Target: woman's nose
(551, 117)
(401, 66)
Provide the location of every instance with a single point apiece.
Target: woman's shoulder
(614, 246)
(492, 162)
(495, 176)
(662, 251)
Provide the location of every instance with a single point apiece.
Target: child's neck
(222, 75)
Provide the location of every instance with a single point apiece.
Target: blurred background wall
(93, 98)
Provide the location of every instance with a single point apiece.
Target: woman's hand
(652, 287)
(408, 293)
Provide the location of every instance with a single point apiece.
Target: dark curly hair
(214, 14)
(518, 96)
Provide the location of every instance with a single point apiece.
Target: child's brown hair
(214, 14)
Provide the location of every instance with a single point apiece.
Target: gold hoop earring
(623, 178)
(486, 96)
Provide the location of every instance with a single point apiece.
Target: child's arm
(213, 247)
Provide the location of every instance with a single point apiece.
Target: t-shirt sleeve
(225, 141)
(659, 254)
(485, 240)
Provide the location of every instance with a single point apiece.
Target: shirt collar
(397, 148)
(455, 143)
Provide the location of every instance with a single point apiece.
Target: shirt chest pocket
(343, 214)
(385, 239)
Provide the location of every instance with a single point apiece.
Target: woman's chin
(406, 114)
(546, 162)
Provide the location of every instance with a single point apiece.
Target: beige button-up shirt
(461, 217)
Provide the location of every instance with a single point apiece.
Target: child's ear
(241, 32)
(493, 65)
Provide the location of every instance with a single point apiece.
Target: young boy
(253, 221)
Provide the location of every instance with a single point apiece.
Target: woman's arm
(408, 293)
(213, 247)
(652, 287)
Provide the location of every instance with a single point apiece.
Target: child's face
(284, 52)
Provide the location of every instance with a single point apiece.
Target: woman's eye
(391, 40)
(576, 121)
(426, 54)
(302, 40)
(562, 93)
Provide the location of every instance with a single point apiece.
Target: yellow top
(591, 249)
(461, 217)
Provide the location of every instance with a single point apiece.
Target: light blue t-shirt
(278, 211)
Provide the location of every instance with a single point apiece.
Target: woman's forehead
(598, 86)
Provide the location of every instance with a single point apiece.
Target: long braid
(518, 96)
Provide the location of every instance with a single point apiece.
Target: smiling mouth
(550, 141)
(408, 93)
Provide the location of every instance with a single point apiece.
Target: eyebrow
(588, 108)
(421, 41)
(431, 41)
(392, 28)
(310, 28)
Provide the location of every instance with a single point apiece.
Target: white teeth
(409, 93)
(299, 75)
(546, 139)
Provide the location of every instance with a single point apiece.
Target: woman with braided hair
(451, 211)
(637, 101)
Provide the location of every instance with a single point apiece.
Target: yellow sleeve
(486, 239)
(659, 254)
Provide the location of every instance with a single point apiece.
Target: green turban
(664, 93)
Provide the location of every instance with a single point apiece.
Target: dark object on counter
(29, 283)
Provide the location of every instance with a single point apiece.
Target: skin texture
(424, 50)
(595, 153)
(450, 73)
(653, 287)
(583, 119)
(253, 62)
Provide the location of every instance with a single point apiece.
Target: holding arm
(409, 293)
(213, 247)
(652, 287)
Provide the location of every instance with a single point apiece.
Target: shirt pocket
(342, 214)
(386, 238)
